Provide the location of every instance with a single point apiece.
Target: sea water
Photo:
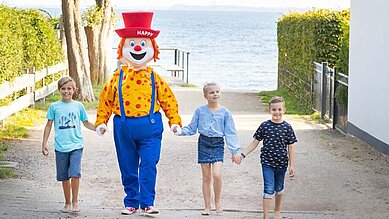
(237, 49)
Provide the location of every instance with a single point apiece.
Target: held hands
(101, 129)
(237, 158)
(176, 129)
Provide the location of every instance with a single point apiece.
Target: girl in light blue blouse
(214, 124)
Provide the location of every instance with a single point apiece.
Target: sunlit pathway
(328, 184)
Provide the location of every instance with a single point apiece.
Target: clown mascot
(135, 94)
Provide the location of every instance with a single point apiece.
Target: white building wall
(368, 109)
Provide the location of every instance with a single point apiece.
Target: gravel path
(337, 176)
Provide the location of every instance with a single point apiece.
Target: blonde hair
(207, 85)
(65, 80)
(276, 99)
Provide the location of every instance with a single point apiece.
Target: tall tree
(76, 51)
(99, 35)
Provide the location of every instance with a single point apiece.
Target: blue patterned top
(276, 138)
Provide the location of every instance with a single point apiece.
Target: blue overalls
(138, 148)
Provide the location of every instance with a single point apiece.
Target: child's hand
(291, 171)
(45, 150)
(236, 158)
(176, 129)
(101, 129)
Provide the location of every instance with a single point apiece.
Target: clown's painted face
(138, 51)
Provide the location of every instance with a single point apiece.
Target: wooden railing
(27, 81)
(180, 66)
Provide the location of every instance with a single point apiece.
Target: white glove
(177, 128)
(101, 126)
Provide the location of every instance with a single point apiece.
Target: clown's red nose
(137, 48)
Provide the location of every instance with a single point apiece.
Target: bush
(28, 40)
(11, 46)
(318, 35)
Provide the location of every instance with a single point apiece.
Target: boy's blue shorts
(68, 164)
(273, 180)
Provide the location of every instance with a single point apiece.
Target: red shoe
(129, 210)
(151, 210)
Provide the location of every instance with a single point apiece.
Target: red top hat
(137, 24)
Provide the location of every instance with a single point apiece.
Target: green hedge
(318, 35)
(28, 39)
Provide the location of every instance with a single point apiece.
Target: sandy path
(337, 176)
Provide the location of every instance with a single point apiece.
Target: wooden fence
(27, 82)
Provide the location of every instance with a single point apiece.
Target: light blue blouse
(214, 124)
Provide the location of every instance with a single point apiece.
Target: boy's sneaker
(129, 210)
(151, 210)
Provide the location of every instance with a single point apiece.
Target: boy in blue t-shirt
(67, 115)
(278, 149)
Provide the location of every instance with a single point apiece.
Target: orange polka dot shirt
(136, 90)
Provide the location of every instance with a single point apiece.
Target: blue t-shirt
(67, 119)
(276, 138)
(214, 124)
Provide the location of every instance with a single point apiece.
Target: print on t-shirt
(67, 122)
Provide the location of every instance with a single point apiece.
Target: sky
(164, 4)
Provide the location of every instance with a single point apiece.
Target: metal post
(187, 68)
(334, 114)
(183, 65)
(323, 89)
(176, 57)
(177, 73)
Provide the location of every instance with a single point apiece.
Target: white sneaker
(129, 210)
(151, 211)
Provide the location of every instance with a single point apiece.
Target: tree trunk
(93, 54)
(62, 37)
(77, 59)
(99, 38)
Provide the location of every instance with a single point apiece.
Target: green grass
(5, 172)
(188, 85)
(3, 148)
(15, 125)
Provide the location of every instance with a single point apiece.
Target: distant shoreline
(180, 7)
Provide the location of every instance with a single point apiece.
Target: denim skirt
(210, 149)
